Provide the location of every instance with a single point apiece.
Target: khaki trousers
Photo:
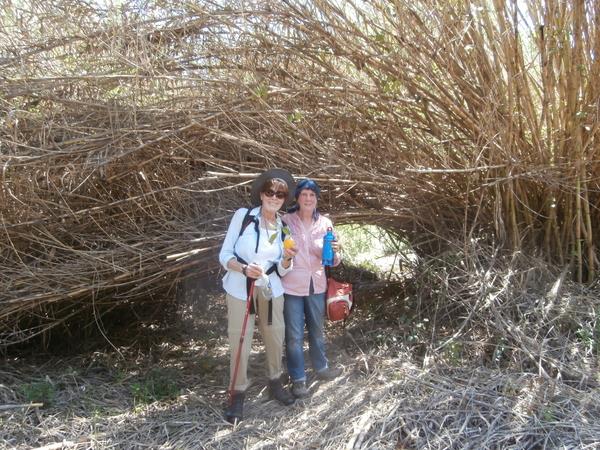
(273, 336)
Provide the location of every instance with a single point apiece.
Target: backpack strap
(245, 221)
(248, 219)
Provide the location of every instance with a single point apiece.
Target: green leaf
(296, 116)
(262, 91)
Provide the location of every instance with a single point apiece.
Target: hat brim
(258, 183)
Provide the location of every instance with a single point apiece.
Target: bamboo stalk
(21, 406)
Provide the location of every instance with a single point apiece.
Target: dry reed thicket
(128, 135)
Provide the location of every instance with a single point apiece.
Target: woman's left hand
(289, 253)
(336, 246)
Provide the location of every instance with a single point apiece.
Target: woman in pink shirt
(305, 287)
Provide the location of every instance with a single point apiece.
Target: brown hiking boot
(277, 392)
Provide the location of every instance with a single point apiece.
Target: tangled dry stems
(128, 136)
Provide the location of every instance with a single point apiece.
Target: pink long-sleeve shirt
(307, 262)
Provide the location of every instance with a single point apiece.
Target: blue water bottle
(327, 258)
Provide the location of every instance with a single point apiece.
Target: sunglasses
(279, 194)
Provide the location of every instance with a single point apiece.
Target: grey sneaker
(277, 392)
(299, 389)
(329, 373)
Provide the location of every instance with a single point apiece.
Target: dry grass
(417, 375)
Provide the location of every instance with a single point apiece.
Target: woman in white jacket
(253, 252)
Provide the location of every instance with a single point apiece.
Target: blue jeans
(298, 310)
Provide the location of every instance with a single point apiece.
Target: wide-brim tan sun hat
(282, 174)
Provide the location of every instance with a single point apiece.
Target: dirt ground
(99, 399)
(165, 389)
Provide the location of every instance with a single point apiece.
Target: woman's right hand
(254, 270)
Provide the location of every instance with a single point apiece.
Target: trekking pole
(242, 336)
